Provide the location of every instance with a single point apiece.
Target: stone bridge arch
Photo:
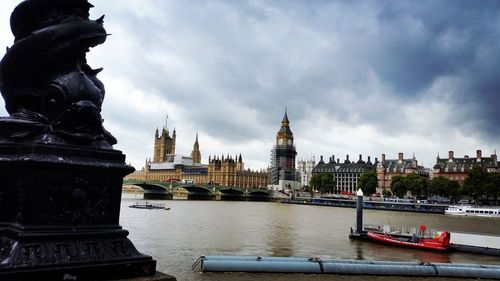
(231, 193)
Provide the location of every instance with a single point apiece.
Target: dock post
(359, 211)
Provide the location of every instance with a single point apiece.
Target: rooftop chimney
(400, 156)
(450, 155)
(478, 155)
(383, 157)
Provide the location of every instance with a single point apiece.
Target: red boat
(440, 243)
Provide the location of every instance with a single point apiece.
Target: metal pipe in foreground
(357, 267)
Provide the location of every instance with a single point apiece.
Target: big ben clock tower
(283, 154)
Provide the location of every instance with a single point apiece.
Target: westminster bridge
(168, 190)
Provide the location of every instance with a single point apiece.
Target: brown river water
(190, 229)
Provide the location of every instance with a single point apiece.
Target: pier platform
(475, 243)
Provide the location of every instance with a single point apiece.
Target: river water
(177, 237)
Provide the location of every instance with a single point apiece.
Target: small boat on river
(439, 243)
(146, 205)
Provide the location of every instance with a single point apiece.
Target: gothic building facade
(196, 154)
(283, 155)
(229, 171)
(166, 165)
(305, 168)
(163, 145)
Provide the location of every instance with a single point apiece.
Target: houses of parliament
(166, 165)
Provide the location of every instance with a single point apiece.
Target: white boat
(467, 210)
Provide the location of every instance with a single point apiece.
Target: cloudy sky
(357, 77)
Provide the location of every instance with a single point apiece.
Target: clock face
(280, 141)
(290, 142)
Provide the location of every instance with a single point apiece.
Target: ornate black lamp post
(60, 178)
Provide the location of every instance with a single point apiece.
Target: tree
(438, 186)
(327, 183)
(475, 183)
(322, 182)
(399, 186)
(416, 184)
(315, 181)
(441, 186)
(387, 193)
(492, 187)
(453, 189)
(368, 182)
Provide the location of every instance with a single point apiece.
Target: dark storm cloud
(228, 68)
(422, 42)
(315, 55)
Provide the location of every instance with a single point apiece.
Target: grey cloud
(360, 62)
(269, 55)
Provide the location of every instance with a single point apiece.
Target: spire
(285, 118)
(284, 133)
(156, 133)
(196, 151)
(196, 145)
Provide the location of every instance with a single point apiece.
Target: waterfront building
(388, 168)
(176, 167)
(346, 174)
(229, 171)
(196, 154)
(169, 166)
(305, 168)
(457, 169)
(283, 172)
